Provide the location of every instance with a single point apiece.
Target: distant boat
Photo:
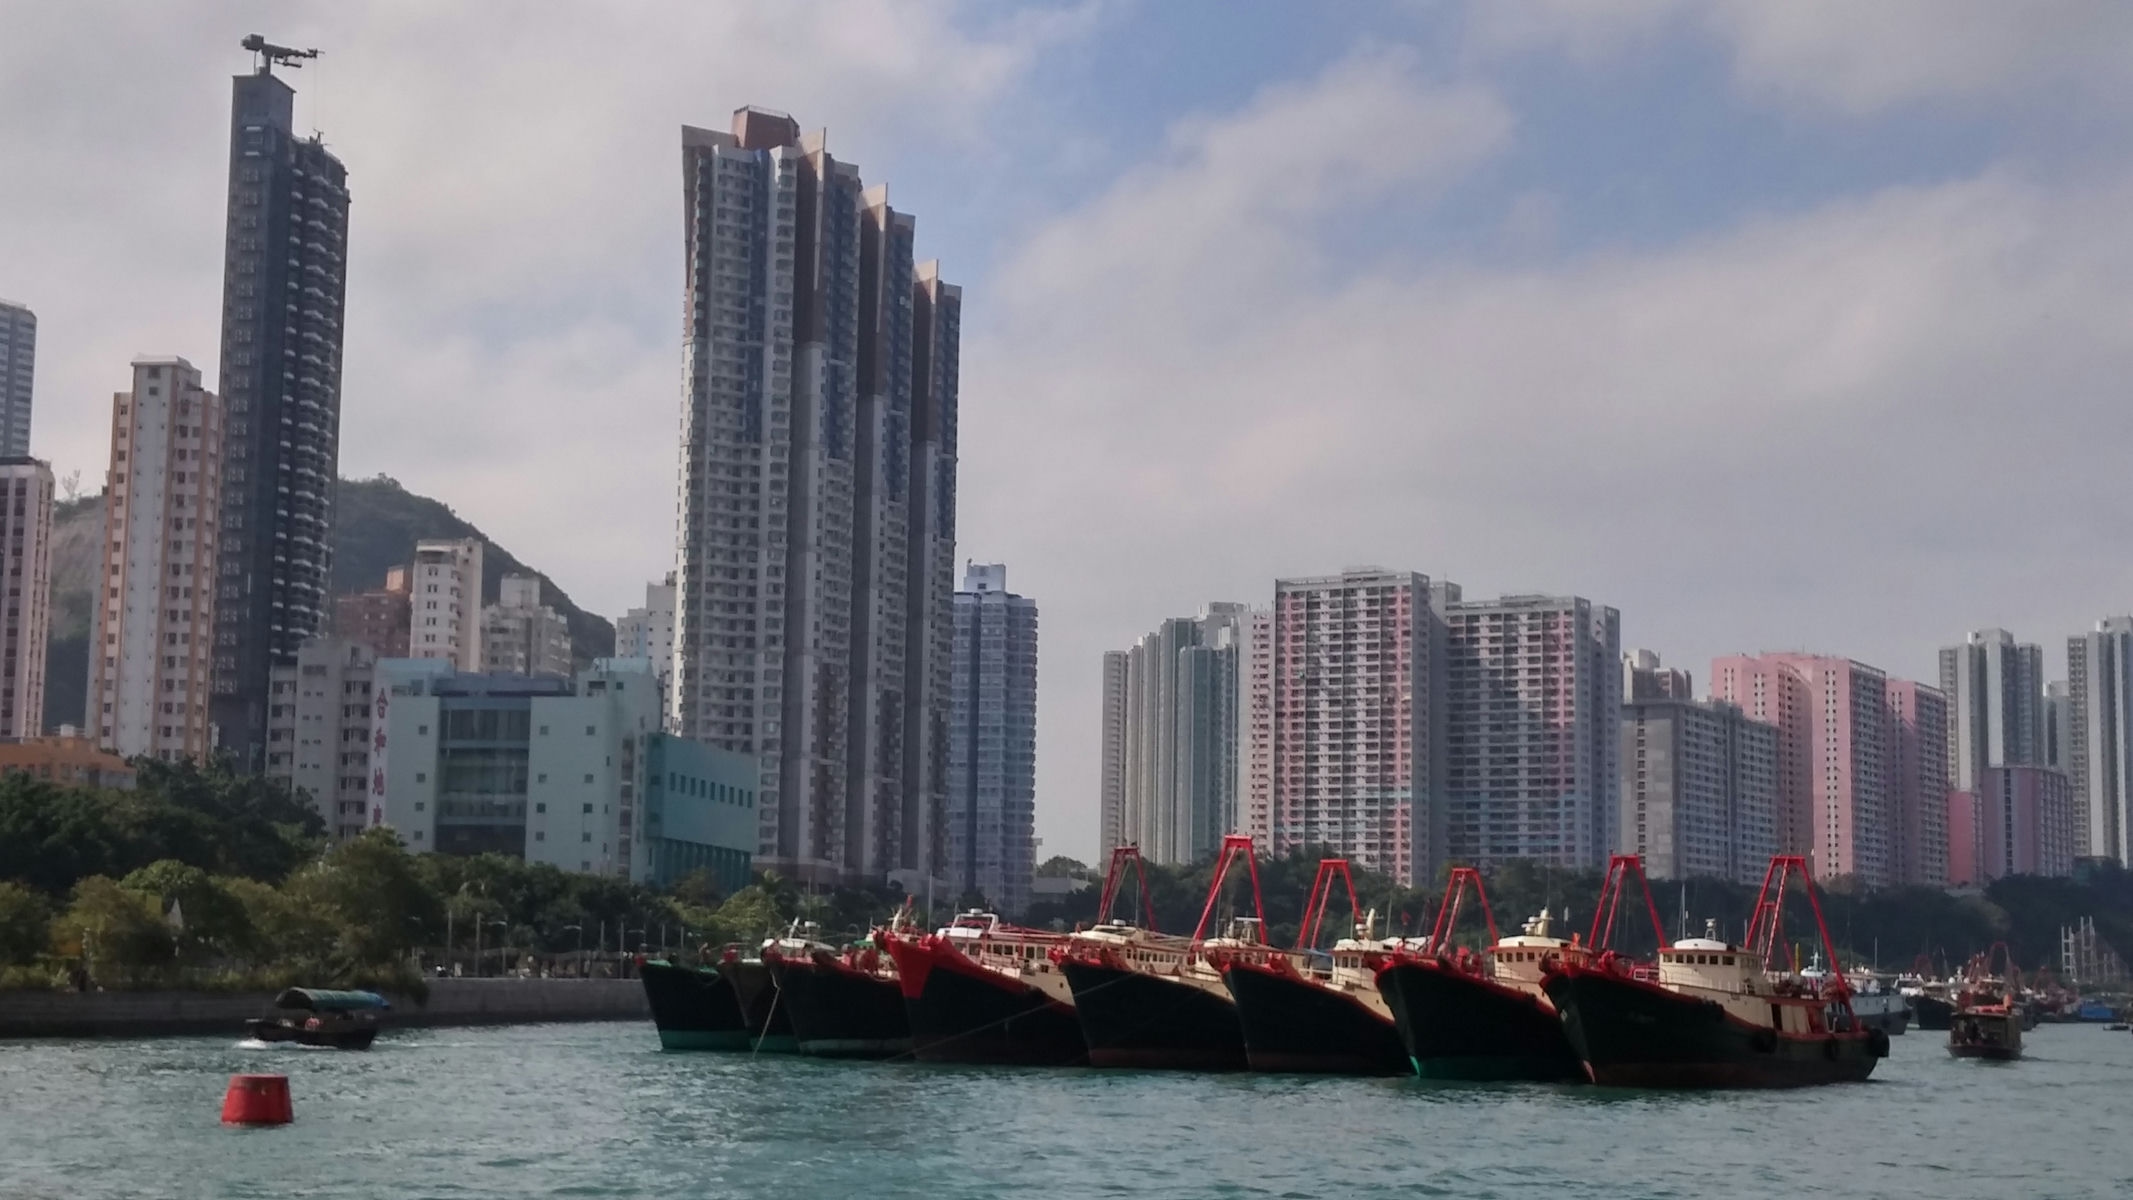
(1988, 1017)
(845, 1004)
(343, 1020)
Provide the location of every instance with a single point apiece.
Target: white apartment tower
(648, 632)
(522, 636)
(1995, 692)
(990, 819)
(2099, 738)
(445, 604)
(25, 542)
(815, 562)
(1181, 717)
(319, 729)
(151, 661)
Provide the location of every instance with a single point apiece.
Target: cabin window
(1729, 960)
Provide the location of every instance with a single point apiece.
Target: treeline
(1891, 927)
(203, 877)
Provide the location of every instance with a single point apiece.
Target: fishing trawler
(768, 1020)
(694, 1007)
(1480, 1016)
(1315, 1012)
(982, 991)
(1988, 1019)
(1153, 1000)
(1710, 1015)
(843, 1004)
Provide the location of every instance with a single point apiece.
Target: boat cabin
(1520, 960)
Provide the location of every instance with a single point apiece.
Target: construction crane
(269, 54)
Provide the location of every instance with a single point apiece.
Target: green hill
(376, 527)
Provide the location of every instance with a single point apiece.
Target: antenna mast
(269, 54)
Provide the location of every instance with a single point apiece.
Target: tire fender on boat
(1831, 1049)
(1877, 1043)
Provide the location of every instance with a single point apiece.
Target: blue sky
(1774, 325)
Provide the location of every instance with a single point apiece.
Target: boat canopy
(322, 1000)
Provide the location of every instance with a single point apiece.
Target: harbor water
(598, 1111)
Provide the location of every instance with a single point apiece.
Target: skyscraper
(1535, 692)
(1918, 784)
(1180, 717)
(283, 285)
(2099, 738)
(150, 666)
(992, 743)
(25, 552)
(1357, 721)
(18, 371)
(1699, 789)
(813, 621)
(2017, 821)
(1995, 691)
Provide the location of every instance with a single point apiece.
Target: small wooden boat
(1988, 1018)
(343, 1020)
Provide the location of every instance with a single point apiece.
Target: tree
(119, 934)
(1059, 866)
(369, 889)
(208, 920)
(25, 924)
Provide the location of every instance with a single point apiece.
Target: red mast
(1115, 876)
(1322, 898)
(1619, 869)
(1234, 846)
(1455, 889)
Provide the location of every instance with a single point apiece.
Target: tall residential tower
(1179, 712)
(992, 743)
(18, 371)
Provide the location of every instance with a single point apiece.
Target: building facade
(283, 291)
(2099, 738)
(444, 602)
(26, 544)
(1182, 724)
(1699, 789)
(2017, 821)
(815, 556)
(699, 814)
(18, 373)
(1995, 692)
(380, 618)
(152, 630)
(1535, 693)
(1918, 759)
(991, 824)
(1643, 678)
(648, 632)
(1111, 763)
(1356, 719)
(69, 760)
(523, 636)
(319, 730)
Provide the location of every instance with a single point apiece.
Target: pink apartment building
(1918, 783)
(2018, 821)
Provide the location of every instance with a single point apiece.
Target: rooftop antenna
(269, 54)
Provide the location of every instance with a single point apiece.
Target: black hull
(1454, 1026)
(1632, 1034)
(1131, 1019)
(958, 1017)
(1293, 1024)
(1894, 1022)
(268, 1030)
(837, 1012)
(694, 1008)
(767, 1021)
(1932, 1014)
(1992, 1037)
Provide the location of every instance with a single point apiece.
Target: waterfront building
(380, 619)
(68, 759)
(1917, 749)
(648, 632)
(1699, 789)
(817, 499)
(1832, 716)
(1179, 715)
(2099, 738)
(26, 536)
(285, 248)
(1111, 764)
(522, 636)
(152, 630)
(2017, 821)
(1643, 678)
(18, 372)
(991, 816)
(1995, 691)
(1533, 736)
(444, 602)
(1356, 721)
(577, 774)
(319, 729)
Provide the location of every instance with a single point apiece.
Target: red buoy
(257, 1100)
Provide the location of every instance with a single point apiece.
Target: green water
(599, 1110)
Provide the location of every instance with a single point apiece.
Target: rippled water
(598, 1110)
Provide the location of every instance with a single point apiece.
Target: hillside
(376, 528)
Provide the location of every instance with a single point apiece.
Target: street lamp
(499, 950)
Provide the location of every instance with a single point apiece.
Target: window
(541, 808)
(539, 836)
(588, 779)
(587, 837)
(588, 808)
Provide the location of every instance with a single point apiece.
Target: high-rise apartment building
(1832, 716)
(1643, 678)
(992, 743)
(1182, 724)
(648, 632)
(2017, 821)
(1699, 789)
(380, 618)
(817, 499)
(1995, 691)
(319, 729)
(18, 372)
(523, 636)
(1356, 721)
(444, 602)
(152, 632)
(2058, 731)
(1535, 696)
(1111, 764)
(25, 549)
(283, 286)
(2099, 738)
(1917, 750)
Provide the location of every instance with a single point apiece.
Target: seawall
(451, 1002)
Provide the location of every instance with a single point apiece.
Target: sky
(1775, 326)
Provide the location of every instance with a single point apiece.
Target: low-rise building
(67, 759)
